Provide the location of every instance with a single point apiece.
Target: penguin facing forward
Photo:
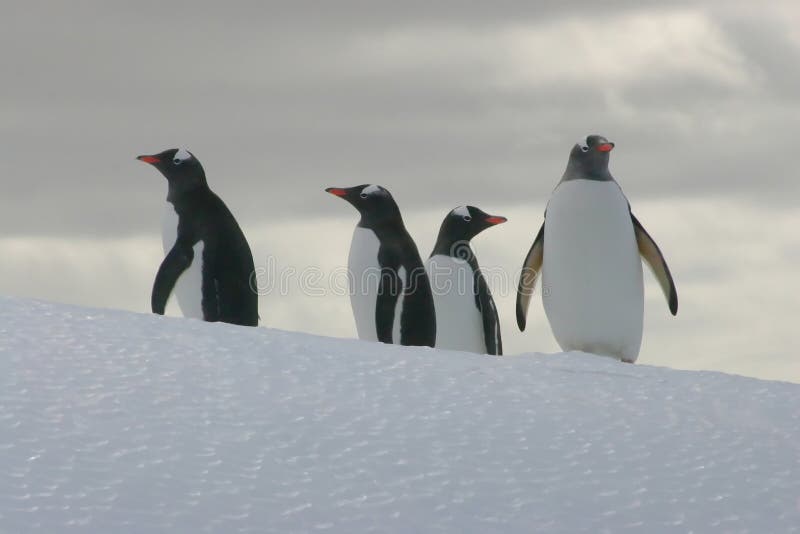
(390, 292)
(466, 316)
(208, 263)
(589, 252)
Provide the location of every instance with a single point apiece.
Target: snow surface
(118, 422)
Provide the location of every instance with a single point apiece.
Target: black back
(457, 230)
(379, 213)
(229, 293)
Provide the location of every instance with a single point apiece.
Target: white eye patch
(370, 189)
(584, 144)
(461, 211)
(181, 156)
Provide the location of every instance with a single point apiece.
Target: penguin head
(465, 222)
(182, 170)
(589, 158)
(373, 202)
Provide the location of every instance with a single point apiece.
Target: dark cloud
(280, 100)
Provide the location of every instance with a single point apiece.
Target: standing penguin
(208, 262)
(466, 317)
(390, 292)
(588, 251)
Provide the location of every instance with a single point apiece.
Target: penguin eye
(364, 195)
(180, 156)
(467, 218)
(584, 148)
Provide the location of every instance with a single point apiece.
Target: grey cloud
(770, 53)
(277, 103)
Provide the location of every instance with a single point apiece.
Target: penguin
(588, 252)
(389, 289)
(466, 316)
(208, 263)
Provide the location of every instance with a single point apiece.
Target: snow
(119, 422)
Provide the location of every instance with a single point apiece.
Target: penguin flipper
(211, 302)
(176, 261)
(527, 279)
(658, 265)
(489, 317)
(389, 289)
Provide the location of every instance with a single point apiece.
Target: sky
(444, 104)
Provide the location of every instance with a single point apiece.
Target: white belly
(458, 321)
(189, 287)
(398, 308)
(592, 287)
(364, 276)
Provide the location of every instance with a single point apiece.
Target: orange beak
(337, 191)
(149, 159)
(495, 219)
(605, 147)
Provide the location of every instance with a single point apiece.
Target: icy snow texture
(117, 422)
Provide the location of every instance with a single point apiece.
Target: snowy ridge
(119, 422)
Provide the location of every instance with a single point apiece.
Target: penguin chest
(364, 272)
(592, 287)
(459, 325)
(188, 289)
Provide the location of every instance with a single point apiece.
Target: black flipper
(658, 265)
(527, 279)
(177, 260)
(491, 321)
(211, 298)
(389, 289)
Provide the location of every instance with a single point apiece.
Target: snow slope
(118, 422)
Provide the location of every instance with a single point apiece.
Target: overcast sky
(442, 103)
